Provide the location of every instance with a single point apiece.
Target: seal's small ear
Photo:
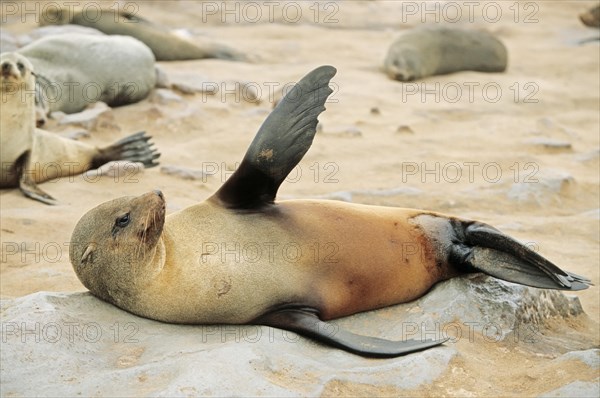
(88, 253)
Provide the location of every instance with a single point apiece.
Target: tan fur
(165, 45)
(17, 116)
(51, 155)
(213, 265)
(433, 50)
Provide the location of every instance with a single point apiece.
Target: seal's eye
(20, 66)
(123, 221)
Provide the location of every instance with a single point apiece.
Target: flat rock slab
(69, 344)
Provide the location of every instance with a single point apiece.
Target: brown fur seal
(239, 257)
(429, 51)
(76, 70)
(30, 156)
(165, 45)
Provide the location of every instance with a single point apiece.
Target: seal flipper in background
(306, 322)
(281, 142)
(484, 248)
(134, 148)
(51, 148)
(26, 183)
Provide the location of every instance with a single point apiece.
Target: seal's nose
(5, 68)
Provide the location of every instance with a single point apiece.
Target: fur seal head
(403, 64)
(122, 234)
(16, 69)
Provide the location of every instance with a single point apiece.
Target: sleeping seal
(432, 50)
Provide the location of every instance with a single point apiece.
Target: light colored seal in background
(27, 152)
(239, 257)
(432, 50)
(165, 45)
(76, 70)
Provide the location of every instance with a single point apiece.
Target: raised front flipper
(279, 145)
(306, 322)
(486, 249)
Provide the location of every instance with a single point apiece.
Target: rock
(162, 79)
(549, 143)
(404, 129)
(235, 91)
(543, 188)
(184, 173)
(95, 348)
(190, 88)
(119, 170)
(258, 113)
(344, 131)
(375, 111)
(71, 344)
(250, 92)
(229, 91)
(193, 83)
(347, 196)
(344, 196)
(89, 119)
(588, 157)
(165, 96)
(549, 127)
(590, 357)
(153, 113)
(580, 389)
(592, 214)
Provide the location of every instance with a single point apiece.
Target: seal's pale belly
(17, 126)
(352, 257)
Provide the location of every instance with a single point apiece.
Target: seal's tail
(484, 248)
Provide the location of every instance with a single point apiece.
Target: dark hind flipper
(134, 148)
(486, 249)
(279, 145)
(306, 322)
(26, 183)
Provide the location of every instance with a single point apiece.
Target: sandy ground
(486, 153)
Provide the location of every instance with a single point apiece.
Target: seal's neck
(159, 259)
(19, 101)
